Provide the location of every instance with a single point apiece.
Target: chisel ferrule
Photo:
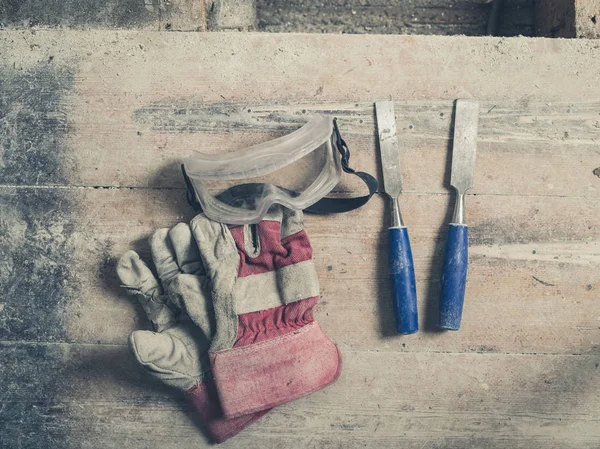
(397, 221)
(458, 217)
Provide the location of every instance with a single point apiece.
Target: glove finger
(163, 256)
(221, 261)
(192, 294)
(176, 356)
(215, 242)
(139, 280)
(186, 250)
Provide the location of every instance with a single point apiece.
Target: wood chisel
(454, 264)
(400, 261)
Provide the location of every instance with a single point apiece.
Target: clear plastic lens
(295, 170)
(293, 179)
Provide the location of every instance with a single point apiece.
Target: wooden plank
(151, 121)
(183, 15)
(239, 15)
(245, 68)
(532, 280)
(541, 139)
(587, 19)
(351, 16)
(96, 398)
(393, 17)
(81, 14)
(179, 15)
(568, 18)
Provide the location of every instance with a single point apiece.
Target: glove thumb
(138, 280)
(173, 356)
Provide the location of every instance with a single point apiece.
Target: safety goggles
(297, 170)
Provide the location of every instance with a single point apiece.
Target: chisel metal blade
(464, 145)
(388, 146)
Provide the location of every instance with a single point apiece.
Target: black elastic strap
(190, 193)
(338, 205)
(324, 205)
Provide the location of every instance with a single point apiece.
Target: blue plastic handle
(454, 277)
(402, 279)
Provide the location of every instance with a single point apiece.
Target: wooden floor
(93, 125)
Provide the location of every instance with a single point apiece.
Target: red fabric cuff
(276, 371)
(205, 402)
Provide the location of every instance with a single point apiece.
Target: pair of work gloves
(232, 317)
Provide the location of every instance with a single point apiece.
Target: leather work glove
(176, 351)
(267, 349)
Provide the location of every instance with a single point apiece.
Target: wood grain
(529, 290)
(97, 398)
(93, 126)
(394, 17)
(179, 15)
(123, 110)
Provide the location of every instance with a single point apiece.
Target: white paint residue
(580, 253)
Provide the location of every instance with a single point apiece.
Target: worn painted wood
(556, 142)
(175, 15)
(239, 15)
(400, 17)
(529, 290)
(80, 13)
(96, 398)
(184, 15)
(568, 18)
(539, 123)
(260, 67)
(450, 17)
(93, 125)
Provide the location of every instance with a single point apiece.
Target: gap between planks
(182, 189)
(353, 351)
